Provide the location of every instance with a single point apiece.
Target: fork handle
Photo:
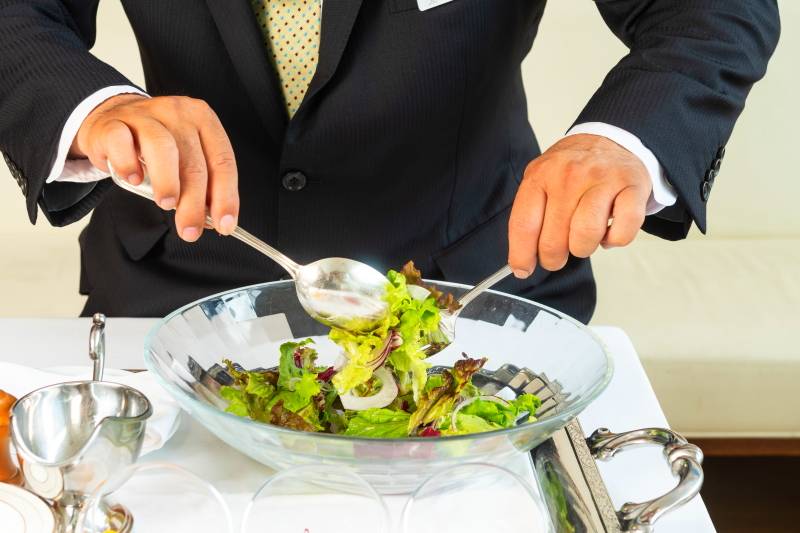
(483, 285)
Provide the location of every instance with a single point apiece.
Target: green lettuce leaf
(360, 350)
(237, 403)
(378, 423)
(499, 415)
(296, 385)
(527, 403)
(258, 386)
(495, 413)
(287, 367)
(414, 277)
(470, 424)
(251, 393)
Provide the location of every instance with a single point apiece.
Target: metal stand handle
(684, 460)
(97, 345)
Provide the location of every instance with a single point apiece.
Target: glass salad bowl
(184, 351)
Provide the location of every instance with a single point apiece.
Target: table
(628, 403)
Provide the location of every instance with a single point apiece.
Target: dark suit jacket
(410, 143)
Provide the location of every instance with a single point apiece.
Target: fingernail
(521, 274)
(226, 224)
(168, 203)
(134, 179)
(190, 234)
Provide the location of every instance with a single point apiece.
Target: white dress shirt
(82, 171)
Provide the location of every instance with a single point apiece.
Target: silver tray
(577, 500)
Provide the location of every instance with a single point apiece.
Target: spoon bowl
(342, 293)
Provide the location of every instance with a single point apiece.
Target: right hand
(189, 158)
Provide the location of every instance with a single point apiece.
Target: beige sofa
(715, 322)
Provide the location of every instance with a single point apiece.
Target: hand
(189, 158)
(566, 198)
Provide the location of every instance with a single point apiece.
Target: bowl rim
(571, 411)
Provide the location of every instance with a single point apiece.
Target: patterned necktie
(291, 33)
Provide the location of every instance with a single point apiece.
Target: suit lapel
(239, 31)
(338, 17)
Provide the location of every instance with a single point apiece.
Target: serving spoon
(335, 291)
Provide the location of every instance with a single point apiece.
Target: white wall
(754, 196)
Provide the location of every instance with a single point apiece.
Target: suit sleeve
(681, 87)
(46, 70)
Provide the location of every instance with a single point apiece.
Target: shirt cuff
(663, 195)
(82, 170)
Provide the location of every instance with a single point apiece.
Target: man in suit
(381, 130)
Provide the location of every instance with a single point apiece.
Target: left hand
(565, 201)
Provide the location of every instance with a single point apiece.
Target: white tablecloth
(628, 403)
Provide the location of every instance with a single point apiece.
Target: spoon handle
(483, 285)
(145, 190)
(251, 240)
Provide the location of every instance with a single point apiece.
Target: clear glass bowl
(248, 325)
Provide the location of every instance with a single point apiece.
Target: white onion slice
(382, 398)
(459, 407)
(340, 362)
(417, 292)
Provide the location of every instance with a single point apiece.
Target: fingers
(119, 149)
(628, 214)
(190, 215)
(190, 160)
(223, 187)
(554, 240)
(159, 149)
(590, 221)
(524, 227)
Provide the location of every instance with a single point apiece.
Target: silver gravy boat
(73, 437)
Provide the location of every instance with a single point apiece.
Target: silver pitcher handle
(97, 345)
(685, 460)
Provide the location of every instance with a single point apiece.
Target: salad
(380, 387)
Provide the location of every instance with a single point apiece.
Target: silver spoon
(336, 291)
(447, 319)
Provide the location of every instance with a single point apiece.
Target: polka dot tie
(291, 33)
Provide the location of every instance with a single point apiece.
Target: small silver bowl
(73, 437)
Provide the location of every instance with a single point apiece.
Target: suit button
(705, 191)
(716, 164)
(708, 182)
(721, 152)
(294, 181)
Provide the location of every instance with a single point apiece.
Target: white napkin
(19, 380)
